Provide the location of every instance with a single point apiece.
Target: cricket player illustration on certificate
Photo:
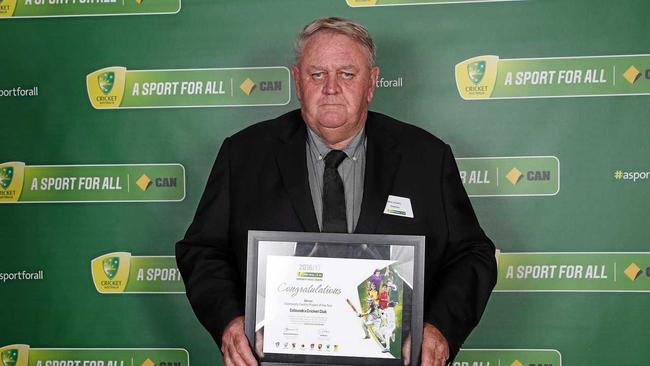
(381, 310)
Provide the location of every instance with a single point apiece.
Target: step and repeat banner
(113, 112)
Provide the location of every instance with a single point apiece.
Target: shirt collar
(349, 150)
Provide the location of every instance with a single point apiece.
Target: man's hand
(435, 349)
(234, 345)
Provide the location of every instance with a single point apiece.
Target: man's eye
(317, 75)
(347, 75)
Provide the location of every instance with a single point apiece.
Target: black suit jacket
(259, 182)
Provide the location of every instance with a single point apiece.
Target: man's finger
(225, 351)
(228, 359)
(245, 352)
(259, 343)
(439, 359)
(443, 353)
(235, 358)
(406, 351)
(433, 355)
(429, 353)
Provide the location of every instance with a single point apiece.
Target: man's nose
(331, 84)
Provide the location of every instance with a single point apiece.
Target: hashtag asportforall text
(631, 175)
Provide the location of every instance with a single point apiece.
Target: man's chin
(332, 120)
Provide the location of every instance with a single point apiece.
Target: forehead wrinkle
(337, 67)
(332, 47)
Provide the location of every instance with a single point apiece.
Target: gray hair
(346, 27)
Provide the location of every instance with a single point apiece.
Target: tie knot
(334, 158)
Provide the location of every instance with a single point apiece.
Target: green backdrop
(591, 138)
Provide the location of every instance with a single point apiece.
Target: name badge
(399, 206)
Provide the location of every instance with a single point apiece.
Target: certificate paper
(332, 307)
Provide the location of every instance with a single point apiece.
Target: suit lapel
(292, 161)
(382, 161)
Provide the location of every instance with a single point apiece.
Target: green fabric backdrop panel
(588, 207)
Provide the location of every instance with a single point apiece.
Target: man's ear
(295, 72)
(374, 76)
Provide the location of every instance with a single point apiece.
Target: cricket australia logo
(106, 81)
(476, 77)
(7, 8)
(111, 272)
(110, 266)
(106, 87)
(10, 356)
(476, 71)
(6, 175)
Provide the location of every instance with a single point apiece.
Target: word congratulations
(311, 289)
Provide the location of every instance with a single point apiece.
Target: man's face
(334, 84)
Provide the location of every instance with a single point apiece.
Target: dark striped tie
(334, 219)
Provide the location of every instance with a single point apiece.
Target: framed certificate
(334, 299)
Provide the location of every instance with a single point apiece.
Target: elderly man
(331, 166)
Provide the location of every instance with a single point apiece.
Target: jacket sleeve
(468, 271)
(206, 258)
